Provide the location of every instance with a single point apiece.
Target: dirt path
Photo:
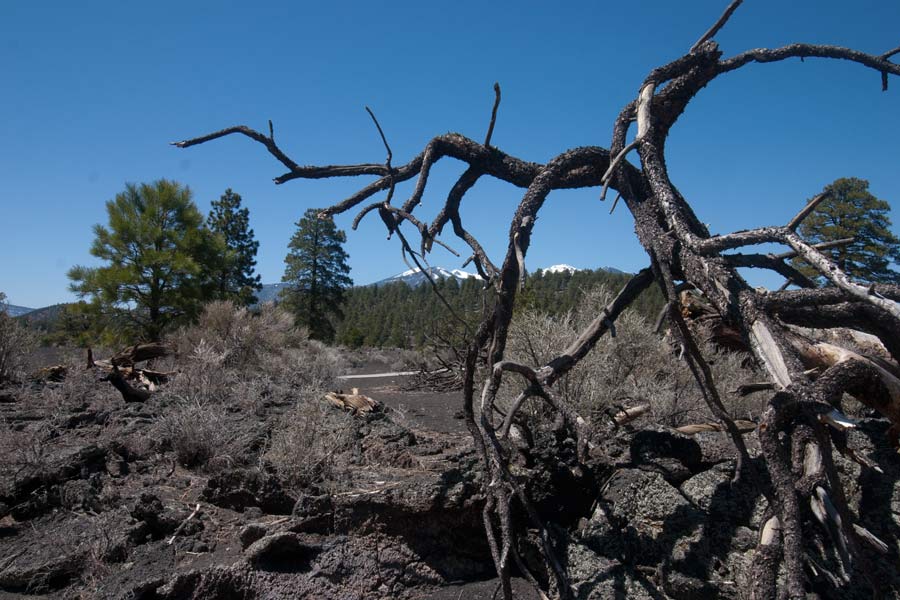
(434, 411)
(375, 375)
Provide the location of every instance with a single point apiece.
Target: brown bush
(233, 363)
(305, 445)
(636, 366)
(203, 436)
(16, 342)
(240, 338)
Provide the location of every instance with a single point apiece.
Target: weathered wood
(140, 353)
(129, 393)
(827, 355)
(742, 426)
(353, 402)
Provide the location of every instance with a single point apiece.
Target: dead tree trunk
(681, 253)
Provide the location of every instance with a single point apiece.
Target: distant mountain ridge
(17, 311)
(415, 278)
(270, 291)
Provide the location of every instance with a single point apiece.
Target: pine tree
(852, 211)
(317, 274)
(155, 249)
(233, 278)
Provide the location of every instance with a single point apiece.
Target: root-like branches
(682, 253)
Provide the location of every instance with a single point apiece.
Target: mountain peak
(561, 268)
(416, 277)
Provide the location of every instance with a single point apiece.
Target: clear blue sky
(93, 92)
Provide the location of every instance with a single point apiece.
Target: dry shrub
(635, 366)
(306, 443)
(241, 338)
(201, 376)
(202, 436)
(235, 363)
(23, 452)
(230, 345)
(80, 388)
(311, 367)
(16, 342)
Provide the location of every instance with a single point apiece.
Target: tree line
(163, 260)
(398, 315)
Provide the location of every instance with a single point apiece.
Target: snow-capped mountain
(563, 268)
(415, 277)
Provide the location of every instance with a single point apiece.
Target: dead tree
(794, 430)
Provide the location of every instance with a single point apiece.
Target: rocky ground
(92, 508)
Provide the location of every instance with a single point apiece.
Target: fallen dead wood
(626, 415)
(51, 373)
(129, 393)
(742, 426)
(183, 523)
(353, 402)
(825, 355)
(140, 353)
(121, 370)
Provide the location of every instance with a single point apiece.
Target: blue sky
(93, 92)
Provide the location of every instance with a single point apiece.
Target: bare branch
(588, 338)
(490, 131)
(765, 55)
(820, 246)
(383, 139)
(268, 142)
(811, 206)
(712, 31)
(838, 277)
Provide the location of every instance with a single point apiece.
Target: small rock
(250, 533)
(253, 512)
(658, 442)
(283, 551)
(308, 505)
(682, 587)
(703, 488)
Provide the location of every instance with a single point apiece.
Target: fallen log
(120, 370)
(129, 393)
(742, 426)
(54, 373)
(625, 415)
(825, 355)
(353, 402)
(140, 353)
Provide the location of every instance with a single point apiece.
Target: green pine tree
(234, 279)
(852, 211)
(317, 274)
(154, 247)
